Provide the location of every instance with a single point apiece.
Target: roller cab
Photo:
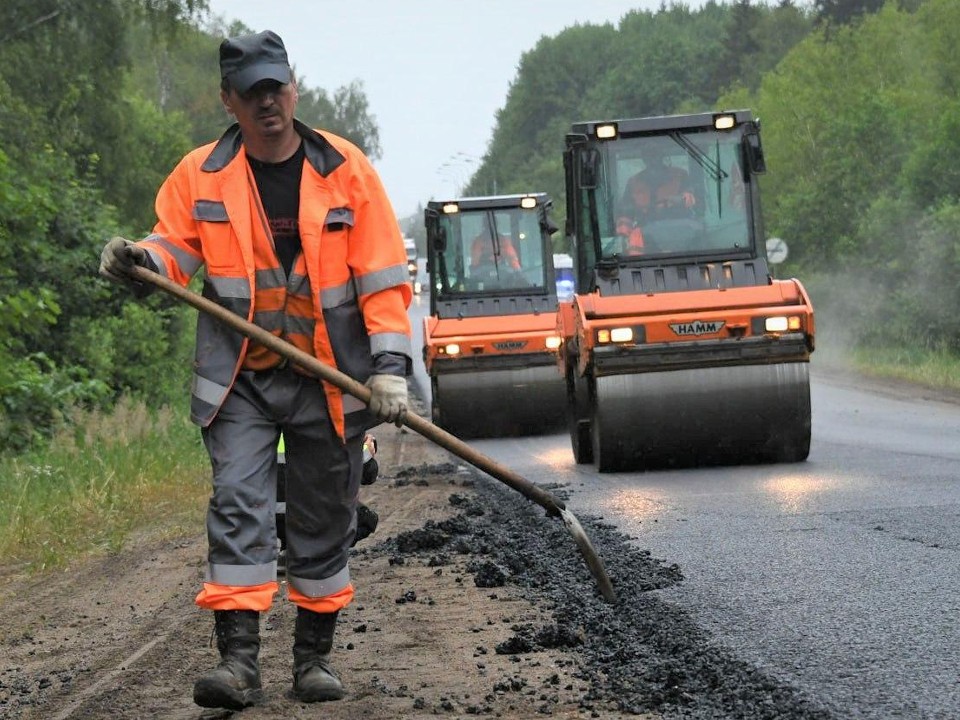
(491, 339)
(680, 348)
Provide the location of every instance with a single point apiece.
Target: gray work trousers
(323, 484)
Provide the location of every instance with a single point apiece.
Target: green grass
(933, 368)
(938, 369)
(96, 485)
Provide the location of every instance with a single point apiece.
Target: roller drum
(495, 403)
(703, 416)
(578, 415)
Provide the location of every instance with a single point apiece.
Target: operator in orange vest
(482, 252)
(294, 232)
(658, 191)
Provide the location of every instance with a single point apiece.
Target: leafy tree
(843, 12)
(62, 74)
(543, 100)
(68, 60)
(835, 133)
(861, 141)
(178, 74)
(672, 60)
(777, 31)
(37, 384)
(347, 115)
(742, 44)
(660, 61)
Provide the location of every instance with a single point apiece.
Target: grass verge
(936, 369)
(932, 368)
(95, 485)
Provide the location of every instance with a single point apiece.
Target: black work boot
(367, 521)
(234, 683)
(313, 678)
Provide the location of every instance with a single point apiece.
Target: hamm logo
(698, 327)
(511, 345)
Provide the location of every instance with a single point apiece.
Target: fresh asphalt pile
(639, 655)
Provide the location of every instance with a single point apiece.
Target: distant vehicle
(410, 246)
(423, 278)
(490, 342)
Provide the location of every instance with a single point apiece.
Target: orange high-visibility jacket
(210, 216)
(657, 189)
(482, 251)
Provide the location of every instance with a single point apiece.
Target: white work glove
(118, 258)
(388, 398)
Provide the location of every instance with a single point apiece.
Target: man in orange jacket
(295, 233)
(483, 252)
(659, 191)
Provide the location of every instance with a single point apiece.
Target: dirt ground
(120, 637)
(470, 603)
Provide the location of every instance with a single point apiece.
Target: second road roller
(491, 339)
(680, 347)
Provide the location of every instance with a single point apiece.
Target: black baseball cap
(247, 59)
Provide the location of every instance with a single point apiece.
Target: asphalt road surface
(838, 575)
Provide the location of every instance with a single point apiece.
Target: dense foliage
(671, 60)
(90, 129)
(860, 128)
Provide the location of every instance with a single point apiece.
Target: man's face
(265, 110)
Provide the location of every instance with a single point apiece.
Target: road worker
(294, 232)
(659, 191)
(484, 254)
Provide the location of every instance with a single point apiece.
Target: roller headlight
(777, 323)
(621, 335)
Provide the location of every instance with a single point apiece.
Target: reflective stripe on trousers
(323, 484)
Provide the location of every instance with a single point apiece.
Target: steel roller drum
(494, 403)
(703, 416)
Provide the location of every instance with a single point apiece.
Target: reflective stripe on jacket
(210, 215)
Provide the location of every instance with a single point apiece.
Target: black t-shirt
(279, 186)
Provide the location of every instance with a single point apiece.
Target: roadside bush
(101, 478)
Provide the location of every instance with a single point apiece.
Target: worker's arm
(174, 245)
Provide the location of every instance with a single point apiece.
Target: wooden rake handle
(554, 506)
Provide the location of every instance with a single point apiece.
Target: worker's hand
(388, 398)
(118, 258)
(684, 200)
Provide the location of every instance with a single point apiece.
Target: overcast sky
(435, 72)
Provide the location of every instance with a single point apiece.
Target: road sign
(776, 250)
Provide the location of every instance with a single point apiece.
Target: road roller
(680, 347)
(490, 342)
